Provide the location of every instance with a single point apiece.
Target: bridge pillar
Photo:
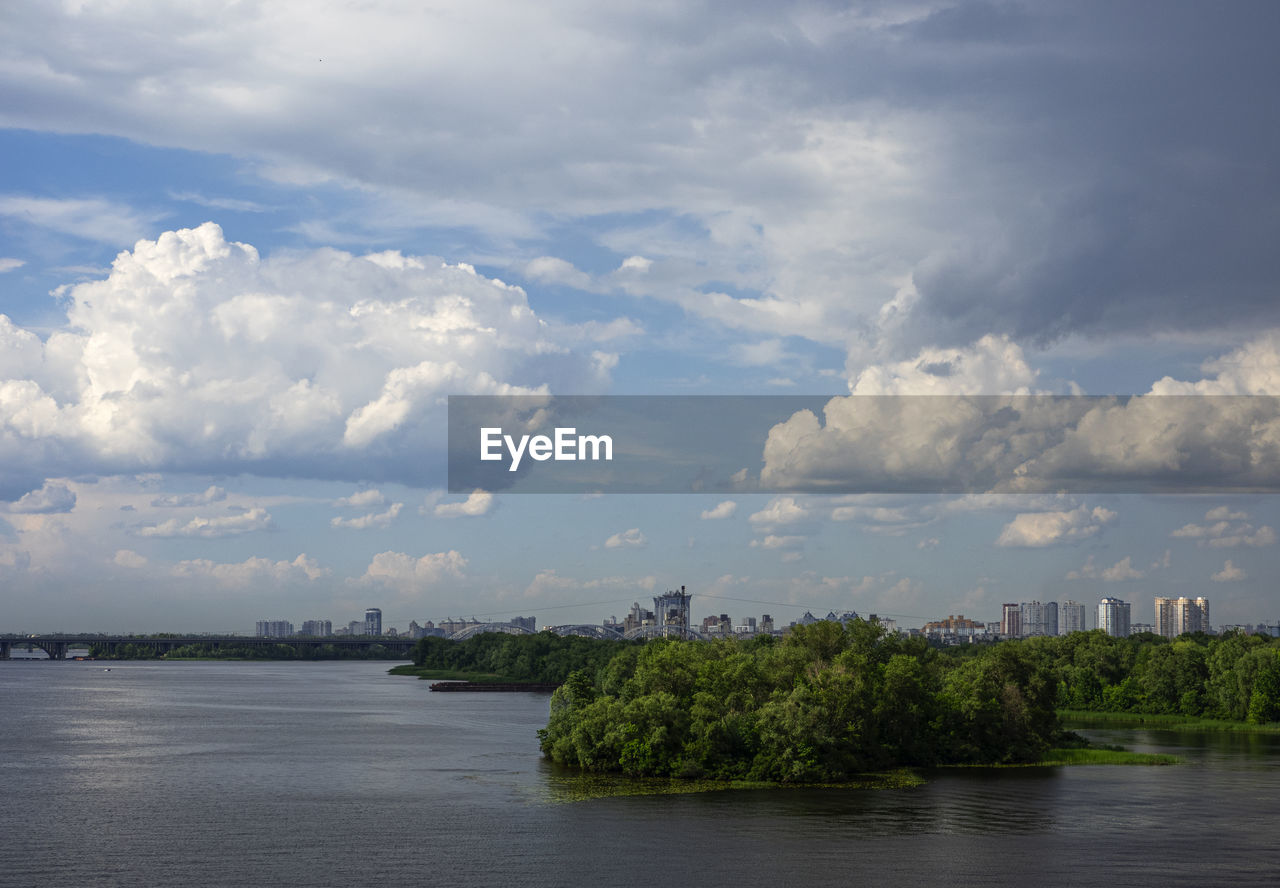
(57, 650)
(4, 650)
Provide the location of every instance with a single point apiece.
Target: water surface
(234, 773)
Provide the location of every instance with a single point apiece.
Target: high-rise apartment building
(273, 629)
(1174, 616)
(1071, 618)
(1039, 619)
(1011, 621)
(1031, 615)
(373, 621)
(1113, 617)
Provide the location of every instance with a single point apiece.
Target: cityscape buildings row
(670, 616)
(370, 625)
(1027, 619)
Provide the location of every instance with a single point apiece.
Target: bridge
(587, 630)
(56, 645)
(481, 628)
(667, 631)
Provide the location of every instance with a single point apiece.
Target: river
(318, 774)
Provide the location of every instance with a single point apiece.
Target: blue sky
(247, 249)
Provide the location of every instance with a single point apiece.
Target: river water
(316, 774)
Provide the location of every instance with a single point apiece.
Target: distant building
(766, 624)
(890, 626)
(954, 625)
(273, 629)
(1038, 619)
(637, 618)
(1139, 628)
(317, 628)
(1071, 617)
(671, 611)
(1113, 617)
(426, 630)
(450, 626)
(1011, 621)
(373, 621)
(1174, 616)
(530, 623)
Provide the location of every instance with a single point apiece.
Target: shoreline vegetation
(1165, 722)
(831, 703)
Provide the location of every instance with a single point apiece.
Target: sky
(248, 249)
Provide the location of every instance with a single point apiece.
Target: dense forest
(829, 701)
(1234, 676)
(825, 703)
(542, 657)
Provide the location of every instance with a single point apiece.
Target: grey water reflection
(337, 774)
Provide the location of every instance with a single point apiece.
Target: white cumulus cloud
(1120, 571)
(372, 519)
(1225, 529)
(478, 502)
(1037, 529)
(129, 558)
(209, 528)
(994, 365)
(361, 499)
(197, 352)
(780, 511)
(627, 539)
(722, 510)
(252, 570)
(1229, 574)
(52, 497)
(409, 575)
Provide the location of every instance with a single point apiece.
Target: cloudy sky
(247, 249)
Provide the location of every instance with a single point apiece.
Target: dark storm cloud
(1121, 166)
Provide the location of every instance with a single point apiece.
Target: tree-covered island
(824, 704)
